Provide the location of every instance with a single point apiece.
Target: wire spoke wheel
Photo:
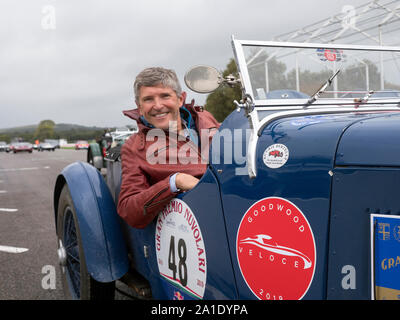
(77, 282)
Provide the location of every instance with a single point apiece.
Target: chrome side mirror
(206, 79)
(203, 79)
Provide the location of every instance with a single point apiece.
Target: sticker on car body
(275, 249)
(276, 155)
(181, 254)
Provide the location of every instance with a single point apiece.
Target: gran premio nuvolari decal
(181, 255)
(276, 155)
(275, 249)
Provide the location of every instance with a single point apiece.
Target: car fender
(97, 155)
(103, 244)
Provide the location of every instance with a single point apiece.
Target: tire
(77, 283)
(90, 157)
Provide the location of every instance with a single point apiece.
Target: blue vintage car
(292, 202)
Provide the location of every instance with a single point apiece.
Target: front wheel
(77, 282)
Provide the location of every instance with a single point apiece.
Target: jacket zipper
(150, 203)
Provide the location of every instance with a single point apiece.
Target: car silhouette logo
(276, 153)
(265, 242)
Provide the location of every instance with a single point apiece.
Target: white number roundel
(181, 255)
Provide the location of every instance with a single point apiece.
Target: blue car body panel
(104, 247)
(372, 142)
(306, 181)
(365, 182)
(357, 193)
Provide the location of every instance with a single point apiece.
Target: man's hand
(185, 181)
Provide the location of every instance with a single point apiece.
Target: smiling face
(159, 105)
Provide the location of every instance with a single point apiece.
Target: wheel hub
(62, 254)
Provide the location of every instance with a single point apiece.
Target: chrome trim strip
(241, 61)
(314, 45)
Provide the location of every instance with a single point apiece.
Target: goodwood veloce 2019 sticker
(275, 249)
(181, 255)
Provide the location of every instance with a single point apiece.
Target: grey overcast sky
(75, 61)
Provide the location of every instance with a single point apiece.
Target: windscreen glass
(297, 73)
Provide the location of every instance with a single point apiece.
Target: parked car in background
(3, 146)
(22, 147)
(46, 146)
(110, 140)
(81, 144)
(286, 94)
(373, 94)
(9, 147)
(54, 142)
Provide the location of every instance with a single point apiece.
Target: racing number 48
(181, 267)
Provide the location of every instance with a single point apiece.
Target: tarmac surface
(29, 268)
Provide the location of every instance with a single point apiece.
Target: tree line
(47, 129)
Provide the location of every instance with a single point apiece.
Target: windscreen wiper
(316, 95)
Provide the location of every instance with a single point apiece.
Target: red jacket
(145, 188)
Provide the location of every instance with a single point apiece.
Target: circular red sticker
(330, 55)
(275, 249)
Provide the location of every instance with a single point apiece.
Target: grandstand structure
(374, 23)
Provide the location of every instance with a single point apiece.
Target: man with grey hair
(148, 186)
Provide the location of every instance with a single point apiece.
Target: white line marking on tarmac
(8, 210)
(18, 169)
(23, 169)
(47, 159)
(12, 249)
(3, 191)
